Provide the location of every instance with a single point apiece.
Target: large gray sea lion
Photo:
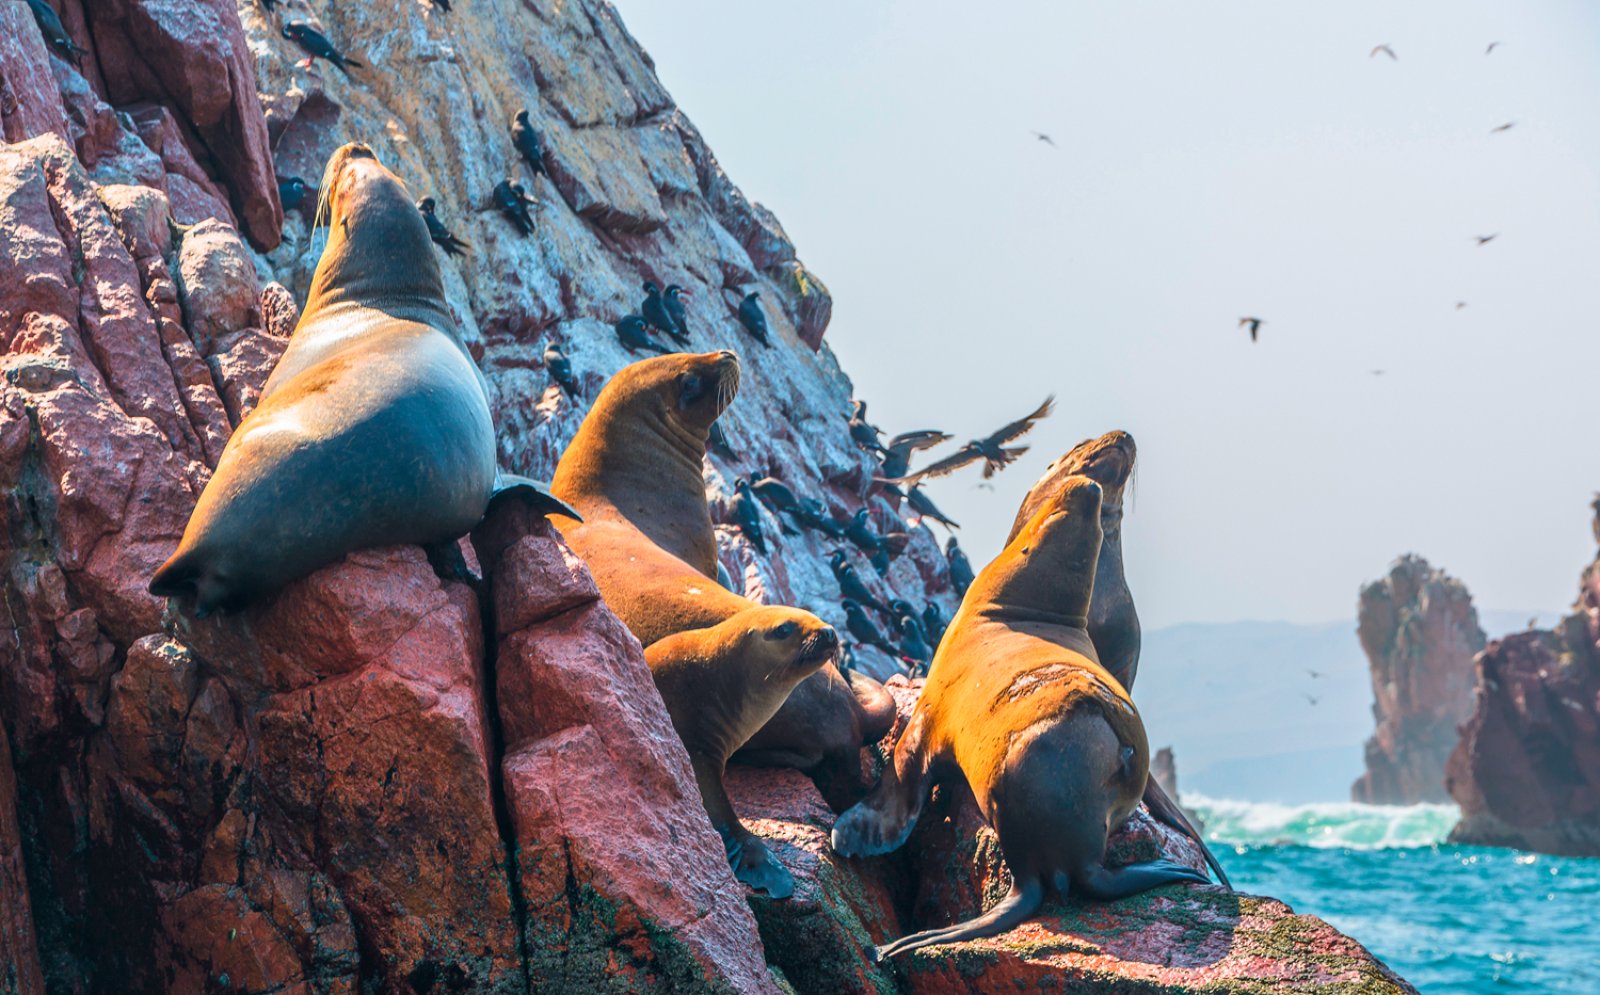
(373, 429)
(1018, 706)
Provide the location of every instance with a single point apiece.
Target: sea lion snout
(821, 645)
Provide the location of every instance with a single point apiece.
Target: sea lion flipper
(1109, 884)
(1011, 911)
(536, 494)
(1163, 809)
(755, 865)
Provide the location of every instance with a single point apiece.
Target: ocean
(1452, 920)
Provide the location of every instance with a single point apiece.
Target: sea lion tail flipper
(536, 494)
(1011, 911)
(1164, 809)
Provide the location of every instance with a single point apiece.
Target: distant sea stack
(1164, 771)
(1420, 633)
(1526, 772)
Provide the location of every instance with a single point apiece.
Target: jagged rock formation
(1527, 770)
(1420, 633)
(378, 780)
(1164, 771)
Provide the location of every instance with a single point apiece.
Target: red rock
(195, 55)
(1420, 633)
(19, 951)
(589, 749)
(28, 103)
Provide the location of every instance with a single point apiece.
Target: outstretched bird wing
(907, 443)
(1021, 426)
(969, 453)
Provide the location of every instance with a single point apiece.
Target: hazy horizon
(1210, 164)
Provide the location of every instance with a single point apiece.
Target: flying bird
(991, 449)
(1316, 674)
(1376, 373)
(1460, 305)
(1486, 239)
(1254, 324)
(1311, 698)
(1385, 49)
(1492, 46)
(897, 456)
(1504, 127)
(1041, 136)
(317, 46)
(441, 235)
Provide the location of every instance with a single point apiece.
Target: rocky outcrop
(1526, 772)
(1188, 938)
(1420, 633)
(378, 780)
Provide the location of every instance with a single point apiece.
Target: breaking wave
(1327, 825)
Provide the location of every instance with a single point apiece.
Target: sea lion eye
(689, 388)
(784, 631)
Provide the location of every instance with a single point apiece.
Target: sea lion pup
(374, 427)
(720, 685)
(634, 471)
(1113, 619)
(1018, 704)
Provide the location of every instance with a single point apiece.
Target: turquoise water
(1452, 920)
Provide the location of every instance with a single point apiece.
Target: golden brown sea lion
(634, 471)
(720, 685)
(1018, 704)
(374, 427)
(1113, 618)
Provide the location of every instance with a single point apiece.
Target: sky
(1249, 158)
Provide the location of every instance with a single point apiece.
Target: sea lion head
(1107, 460)
(1048, 568)
(379, 253)
(680, 393)
(788, 644)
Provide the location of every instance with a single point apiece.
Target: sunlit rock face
(1527, 770)
(1420, 633)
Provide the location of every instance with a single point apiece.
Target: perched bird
(861, 532)
(961, 574)
(923, 505)
(513, 202)
(934, 623)
(1492, 46)
(1254, 324)
(913, 641)
(1486, 239)
(317, 46)
(813, 514)
(898, 607)
(1385, 49)
(991, 449)
(635, 334)
(1504, 127)
(895, 543)
(774, 493)
(862, 629)
(441, 235)
(560, 369)
(717, 442)
(55, 33)
(269, 5)
(1041, 136)
(526, 141)
(865, 434)
(880, 562)
(753, 318)
(674, 296)
(747, 514)
(850, 583)
(654, 309)
(292, 191)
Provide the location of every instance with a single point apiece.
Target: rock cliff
(378, 780)
(1526, 772)
(1420, 633)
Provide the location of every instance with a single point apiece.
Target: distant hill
(1230, 698)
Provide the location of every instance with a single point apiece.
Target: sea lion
(1018, 704)
(1113, 619)
(634, 471)
(720, 685)
(374, 428)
